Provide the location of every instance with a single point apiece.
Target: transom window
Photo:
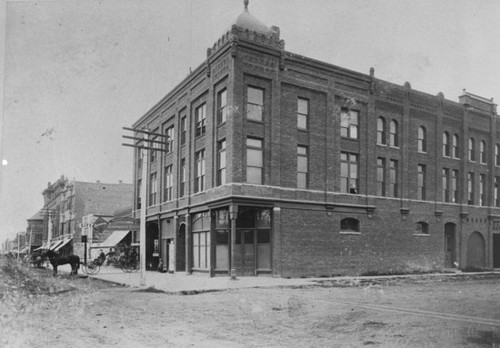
(422, 139)
(381, 135)
(302, 113)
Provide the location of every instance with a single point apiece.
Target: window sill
(421, 235)
(350, 233)
(255, 121)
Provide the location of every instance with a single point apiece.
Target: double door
(252, 251)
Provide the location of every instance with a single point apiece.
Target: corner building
(279, 164)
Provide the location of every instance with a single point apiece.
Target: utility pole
(145, 145)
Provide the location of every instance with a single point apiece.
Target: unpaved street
(403, 313)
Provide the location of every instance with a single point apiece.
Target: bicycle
(128, 266)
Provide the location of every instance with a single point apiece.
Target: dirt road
(405, 313)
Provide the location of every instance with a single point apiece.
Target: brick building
(67, 202)
(34, 231)
(275, 163)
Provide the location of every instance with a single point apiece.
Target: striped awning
(66, 241)
(115, 238)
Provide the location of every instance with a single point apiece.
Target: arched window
(381, 131)
(393, 136)
(455, 147)
(422, 227)
(349, 225)
(422, 141)
(446, 144)
(472, 149)
(482, 151)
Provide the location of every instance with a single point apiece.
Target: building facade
(34, 231)
(67, 202)
(273, 163)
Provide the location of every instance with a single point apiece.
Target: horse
(56, 260)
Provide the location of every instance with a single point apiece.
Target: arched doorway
(450, 245)
(476, 251)
(181, 248)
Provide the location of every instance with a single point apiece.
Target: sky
(73, 73)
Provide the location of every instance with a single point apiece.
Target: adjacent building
(273, 163)
(66, 202)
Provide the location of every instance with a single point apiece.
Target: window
(302, 167)
(153, 189)
(139, 184)
(349, 225)
(445, 188)
(169, 132)
(497, 155)
(446, 144)
(380, 176)
(200, 119)
(222, 106)
(455, 148)
(482, 189)
(255, 161)
(221, 163)
(421, 181)
(482, 151)
(422, 227)
(381, 131)
(472, 150)
(153, 152)
(183, 130)
(255, 104)
(302, 113)
(393, 134)
(182, 183)
(454, 186)
(169, 183)
(496, 192)
(349, 173)
(393, 178)
(201, 240)
(140, 155)
(199, 181)
(349, 123)
(422, 140)
(470, 188)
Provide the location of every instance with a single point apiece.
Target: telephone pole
(144, 144)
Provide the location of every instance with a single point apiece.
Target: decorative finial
(245, 2)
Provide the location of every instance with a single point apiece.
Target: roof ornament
(245, 2)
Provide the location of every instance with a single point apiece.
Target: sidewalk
(183, 283)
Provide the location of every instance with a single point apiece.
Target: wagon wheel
(91, 268)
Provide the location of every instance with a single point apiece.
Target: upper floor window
(222, 106)
(153, 189)
(421, 181)
(138, 193)
(455, 148)
(140, 156)
(482, 151)
(255, 104)
(446, 144)
(200, 119)
(393, 178)
(381, 136)
(302, 167)
(153, 154)
(255, 161)
(169, 146)
(422, 227)
(422, 139)
(496, 191)
(497, 155)
(221, 163)
(349, 225)
(472, 149)
(199, 180)
(302, 113)
(393, 133)
(349, 123)
(349, 172)
(482, 189)
(169, 183)
(380, 176)
(183, 130)
(183, 178)
(470, 188)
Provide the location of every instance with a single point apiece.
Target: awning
(43, 247)
(66, 241)
(55, 244)
(115, 238)
(25, 250)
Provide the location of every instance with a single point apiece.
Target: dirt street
(79, 312)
